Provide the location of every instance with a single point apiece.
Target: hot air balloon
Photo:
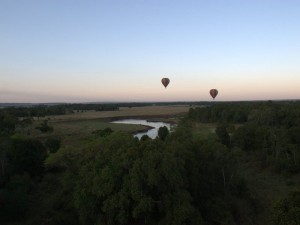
(213, 93)
(165, 81)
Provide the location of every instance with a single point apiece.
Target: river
(152, 133)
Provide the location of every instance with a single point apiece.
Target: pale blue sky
(118, 50)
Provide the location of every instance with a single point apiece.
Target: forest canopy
(207, 171)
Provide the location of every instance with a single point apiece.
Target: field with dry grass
(75, 127)
(124, 112)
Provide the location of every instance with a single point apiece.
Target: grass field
(204, 130)
(88, 126)
(73, 128)
(142, 112)
(86, 122)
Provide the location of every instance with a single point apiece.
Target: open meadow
(77, 126)
(125, 112)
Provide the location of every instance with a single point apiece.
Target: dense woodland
(184, 177)
(42, 110)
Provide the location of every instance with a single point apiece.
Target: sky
(119, 50)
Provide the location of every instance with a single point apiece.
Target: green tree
(163, 132)
(27, 155)
(223, 135)
(53, 144)
(103, 133)
(15, 198)
(44, 127)
(7, 123)
(145, 137)
(287, 210)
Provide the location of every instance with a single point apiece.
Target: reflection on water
(152, 133)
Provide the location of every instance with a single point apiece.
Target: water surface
(152, 133)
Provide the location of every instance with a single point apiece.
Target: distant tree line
(42, 110)
(61, 109)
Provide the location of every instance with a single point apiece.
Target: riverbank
(152, 132)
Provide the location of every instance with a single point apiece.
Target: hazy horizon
(118, 51)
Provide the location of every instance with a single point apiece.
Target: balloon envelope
(165, 81)
(213, 93)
